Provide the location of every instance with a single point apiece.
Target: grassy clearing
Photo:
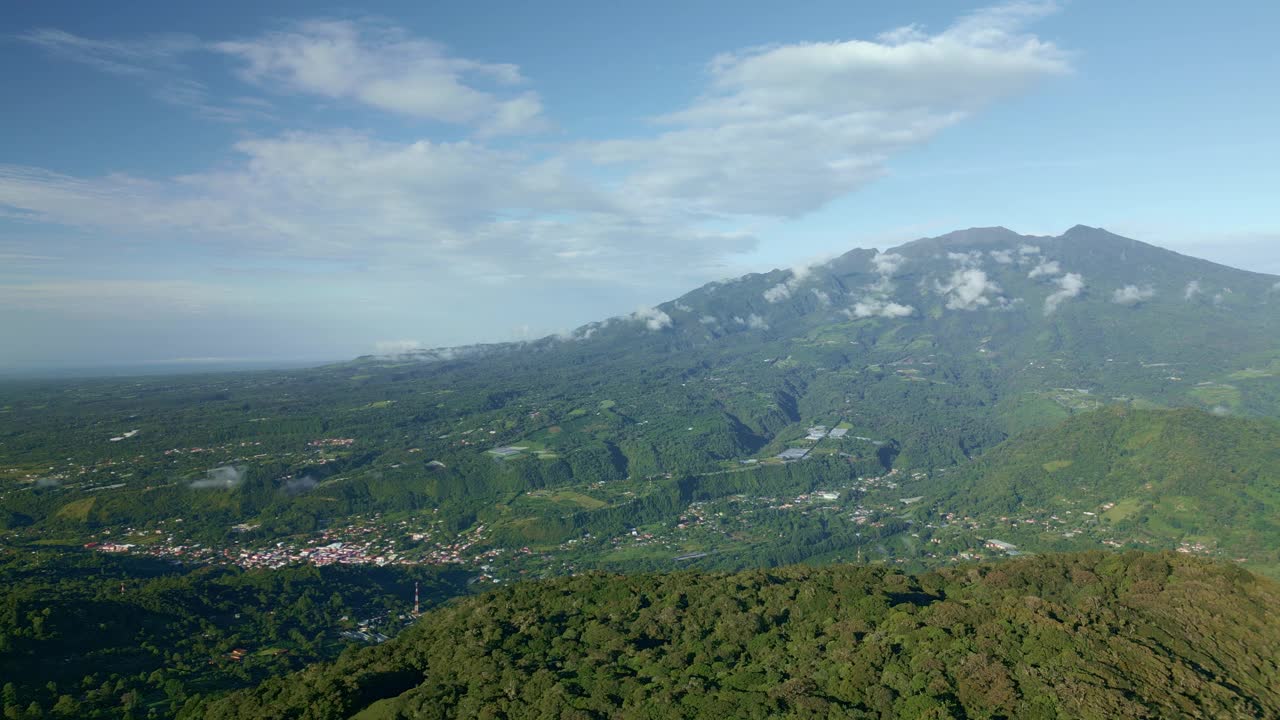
(1123, 509)
(1227, 395)
(570, 498)
(77, 510)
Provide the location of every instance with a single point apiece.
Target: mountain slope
(932, 352)
(1077, 636)
(1161, 478)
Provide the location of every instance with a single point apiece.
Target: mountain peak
(980, 235)
(971, 237)
(1077, 232)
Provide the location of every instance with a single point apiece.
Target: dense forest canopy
(1067, 636)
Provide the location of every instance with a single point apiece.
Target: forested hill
(1072, 636)
(1168, 478)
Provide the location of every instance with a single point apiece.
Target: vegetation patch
(77, 510)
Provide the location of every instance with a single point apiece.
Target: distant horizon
(208, 366)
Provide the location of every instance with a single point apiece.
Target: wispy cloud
(782, 130)
(396, 348)
(384, 67)
(226, 477)
(799, 274)
(876, 300)
(155, 63)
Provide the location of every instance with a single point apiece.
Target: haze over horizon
(235, 184)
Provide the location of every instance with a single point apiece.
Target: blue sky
(284, 181)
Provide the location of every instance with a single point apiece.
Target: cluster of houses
(109, 547)
(332, 442)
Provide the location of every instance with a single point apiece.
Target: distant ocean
(157, 368)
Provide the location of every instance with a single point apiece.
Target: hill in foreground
(1082, 636)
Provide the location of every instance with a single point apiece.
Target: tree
(66, 706)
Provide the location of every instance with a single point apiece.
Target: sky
(290, 181)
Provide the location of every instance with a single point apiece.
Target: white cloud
(777, 293)
(1046, 268)
(653, 318)
(482, 214)
(823, 298)
(783, 129)
(681, 307)
(755, 322)
(970, 259)
(799, 273)
(386, 68)
(708, 320)
(877, 301)
(1069, 286)
(226, 477)
(1003, 257)
(888, 264)
(1192, 290)
(1132, 294)
(879, 308)
(968, 289)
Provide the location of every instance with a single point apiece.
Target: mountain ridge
(1093, 246)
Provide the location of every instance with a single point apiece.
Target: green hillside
(1080, 636)
(1167, 479)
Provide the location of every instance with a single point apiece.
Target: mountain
(923, 356)
(1078, 636)
(1157, 479)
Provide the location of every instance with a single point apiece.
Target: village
(706, 532)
